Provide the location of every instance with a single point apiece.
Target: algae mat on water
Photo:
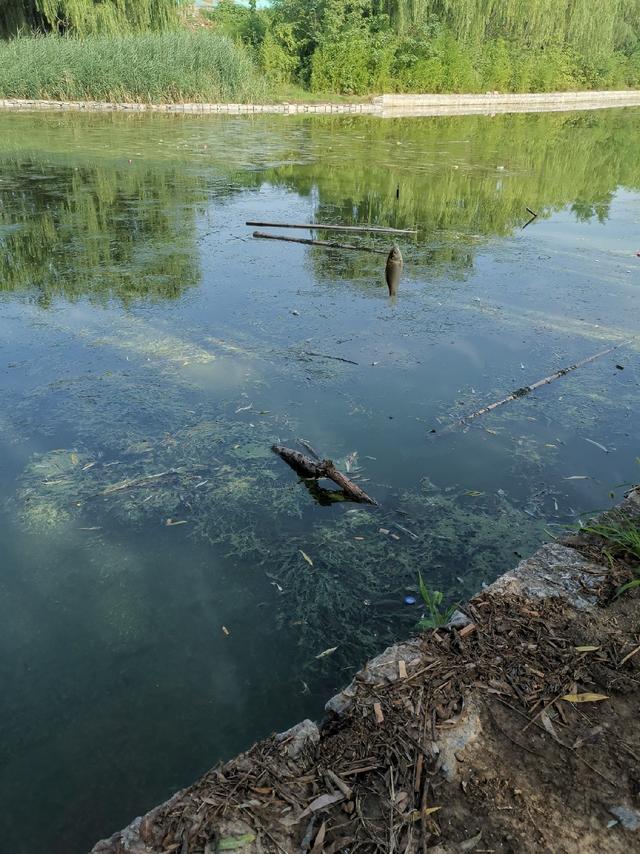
(343, 577)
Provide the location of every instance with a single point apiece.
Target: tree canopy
(357, 47)
(84, 17)
(438, 45)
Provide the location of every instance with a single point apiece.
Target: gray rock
(451, 743)
(458, 620)
(379, 671)
(301, 736)
(554, 570)
(340, 702)
(628, 818)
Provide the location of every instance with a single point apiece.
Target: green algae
(223, 482)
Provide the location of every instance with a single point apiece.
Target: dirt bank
(516, 731)
(385, 106)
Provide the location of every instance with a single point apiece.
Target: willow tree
(18, 15)
(593, 29)
(85, 17)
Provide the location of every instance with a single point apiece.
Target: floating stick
(321, 226)
(326, 244)
(527, 389)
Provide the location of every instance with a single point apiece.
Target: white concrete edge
(384, 106)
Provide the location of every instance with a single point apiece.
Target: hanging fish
(393, 270)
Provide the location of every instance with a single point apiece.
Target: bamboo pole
(321, 226)
(527, 389)
(326, 244)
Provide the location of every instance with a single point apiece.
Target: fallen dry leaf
(323, 802)
(319, 842)
(584, 698)
(546, 723)
(416, 815)
(590, 735)
(471, 843)
(629, 655)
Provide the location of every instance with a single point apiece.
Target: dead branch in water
(326, 244)
(322, 226)
(309, 448)
(308, 468)
(534, 215)
(527, 389)
(326, 356)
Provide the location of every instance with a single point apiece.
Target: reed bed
(173, 66)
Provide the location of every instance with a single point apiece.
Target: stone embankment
(385, 106)
(514, 728)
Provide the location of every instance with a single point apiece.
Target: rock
(450, 744)
(631, 503)
(458, 620)
(628, 818)
(554, 570)
(340, 702)
(379, 671)
(302, 736)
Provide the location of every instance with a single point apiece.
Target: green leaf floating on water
(234, 843)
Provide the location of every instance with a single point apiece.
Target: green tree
(439, 45)
(83, 17)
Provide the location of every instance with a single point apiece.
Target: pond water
(151, 352)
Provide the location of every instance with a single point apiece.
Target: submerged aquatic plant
(170, 463)
(224, 483)
(436, 616)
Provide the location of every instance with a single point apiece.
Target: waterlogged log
(326, 244)
(303, 465)
(322, 226)
(308, 468)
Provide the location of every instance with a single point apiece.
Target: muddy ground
(515, 732)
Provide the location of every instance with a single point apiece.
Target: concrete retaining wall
(494, 102)
(385, 106)
(371, 108)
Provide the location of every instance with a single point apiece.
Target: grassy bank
(219, 65)
(149, 67)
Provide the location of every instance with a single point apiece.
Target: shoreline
(452, 737)
(383, 106)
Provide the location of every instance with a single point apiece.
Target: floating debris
(597, 444)
(306, 557)
(327, 652)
